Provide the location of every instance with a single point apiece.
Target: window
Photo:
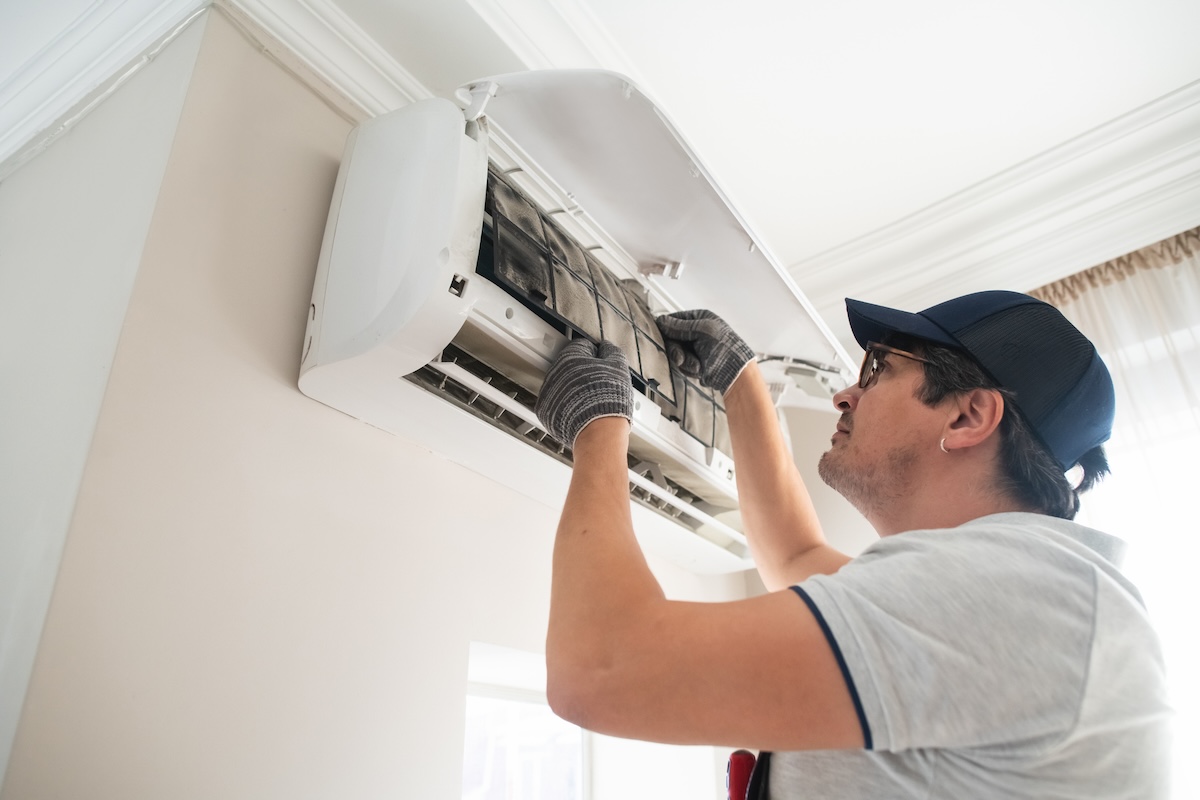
(515, 748)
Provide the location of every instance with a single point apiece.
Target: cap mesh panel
(1033, 351)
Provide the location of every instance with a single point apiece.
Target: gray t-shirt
(1004, 658)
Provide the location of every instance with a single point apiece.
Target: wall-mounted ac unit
(468, 241)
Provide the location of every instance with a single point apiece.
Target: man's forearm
(601, 581)
(785, 535)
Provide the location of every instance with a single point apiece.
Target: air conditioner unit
(468, 241)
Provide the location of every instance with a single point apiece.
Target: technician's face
(880, 435)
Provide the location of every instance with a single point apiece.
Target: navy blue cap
(1062, 388)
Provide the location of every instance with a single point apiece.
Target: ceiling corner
(80, 59)
(1119, 187)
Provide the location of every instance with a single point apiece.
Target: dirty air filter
(548, 272)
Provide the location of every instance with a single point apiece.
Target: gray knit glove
(702, 345)
(584, 384)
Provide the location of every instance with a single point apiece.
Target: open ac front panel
(527, 256)
(454, 267)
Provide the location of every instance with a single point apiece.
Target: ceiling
(872, 145)
(901, 153)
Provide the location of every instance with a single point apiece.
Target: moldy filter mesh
(540, 265)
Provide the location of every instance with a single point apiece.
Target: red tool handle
(737, 775)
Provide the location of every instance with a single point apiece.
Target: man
(984, 647)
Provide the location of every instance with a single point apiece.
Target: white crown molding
(335, 49)
(1122, 186)
(113, 39)
(105, 44)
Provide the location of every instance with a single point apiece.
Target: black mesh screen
(547, 271)
(643, 320)
(575, 301)
(609, 287)
(1059, 354)
(619, 330)
(656, 368)
(510, 204)
(521, 264)
(564, 249)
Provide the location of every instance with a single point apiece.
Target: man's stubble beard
(868, 487)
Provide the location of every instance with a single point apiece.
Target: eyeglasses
(873, 362)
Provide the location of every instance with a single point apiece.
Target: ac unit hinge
(477, 98)
(669, 269)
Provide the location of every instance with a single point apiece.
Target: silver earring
(942, 444)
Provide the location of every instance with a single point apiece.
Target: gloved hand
(702, 345)
(584, 384)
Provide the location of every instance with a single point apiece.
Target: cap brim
(871, 323)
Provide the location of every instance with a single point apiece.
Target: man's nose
(847, 399)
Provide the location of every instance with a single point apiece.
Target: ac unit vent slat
(473, 387)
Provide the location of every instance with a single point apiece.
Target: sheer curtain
(1143, 313)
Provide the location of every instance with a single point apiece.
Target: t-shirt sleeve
(959, 639)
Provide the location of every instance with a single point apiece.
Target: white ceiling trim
(111, 38)
(114, 39)
(1124, 185)
(336, 50)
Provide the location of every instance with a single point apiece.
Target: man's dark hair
(1029, 473)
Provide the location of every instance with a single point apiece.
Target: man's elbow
(593, 675)
(575, 693)
(564, 700)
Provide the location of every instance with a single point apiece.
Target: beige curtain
(1143, 313)
(1178, 249)
(1142, 310)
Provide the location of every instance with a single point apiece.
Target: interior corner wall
(72, 226)
(261, 597)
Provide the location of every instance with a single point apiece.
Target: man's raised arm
(624, 660)
(785, 535)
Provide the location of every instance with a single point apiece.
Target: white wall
(72, 226)
(260, 596)
(810, 430)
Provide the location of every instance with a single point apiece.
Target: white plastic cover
(405, 220)
(606, 144)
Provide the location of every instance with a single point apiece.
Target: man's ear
(974, 416)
